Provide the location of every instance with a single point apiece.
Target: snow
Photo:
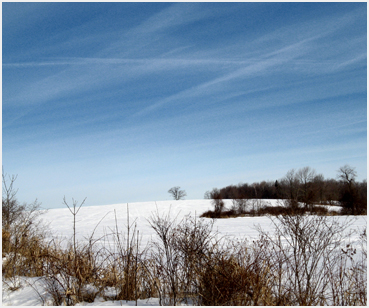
(61, 220)
(141, 302)
(102, 219)
(27, 295)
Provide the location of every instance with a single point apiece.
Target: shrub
(305, 252)
(225, 282)
(239, 205)
(22, 233)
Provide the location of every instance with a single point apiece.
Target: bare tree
(291, 183)
(319, 187)
(217, 201)
(177, 193)
(347, 174)
(305, 177)
(349, 192)
(207, 195)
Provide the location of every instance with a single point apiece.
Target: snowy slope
(103, 218)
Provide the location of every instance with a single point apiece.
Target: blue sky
(118, 102)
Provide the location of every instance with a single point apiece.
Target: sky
(119, 102)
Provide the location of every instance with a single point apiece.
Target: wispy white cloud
(250, 68)
(228, 67)
(152, 35)
(159, 63)
(361, 58)
(177, 14)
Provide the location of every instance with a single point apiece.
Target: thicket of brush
(257, 207)
(309, 260)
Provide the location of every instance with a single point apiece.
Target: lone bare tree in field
(177, 193)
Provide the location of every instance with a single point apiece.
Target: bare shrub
(291, 207)
(180, 256)
(217, 201)
(193, 240)
(224, 282)
(166, 258)
(127, 270)
(11, 209)
(307, 250)
(23, 234)
(255, 206)
(218, 205)
(209, 214)
(74, 274)
(240, 205)
(348, 278)
(224, 214)
(236, 274)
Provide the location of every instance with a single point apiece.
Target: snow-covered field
(102, 219)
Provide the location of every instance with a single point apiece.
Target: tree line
(306, 186)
